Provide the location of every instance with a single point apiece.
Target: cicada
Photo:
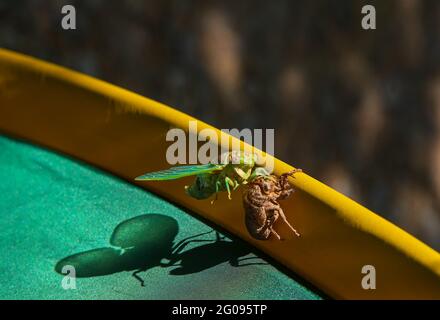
(261, 206)
(235, 168)
(261, 189)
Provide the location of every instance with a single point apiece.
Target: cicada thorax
(239, 174)
(230, 177)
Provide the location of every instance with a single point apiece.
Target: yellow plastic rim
(124, 133)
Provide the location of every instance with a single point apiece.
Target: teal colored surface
(56, 211)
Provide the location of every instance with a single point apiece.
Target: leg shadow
(209, 255)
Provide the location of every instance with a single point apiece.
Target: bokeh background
(359, 110)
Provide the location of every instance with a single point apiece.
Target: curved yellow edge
(124, 133)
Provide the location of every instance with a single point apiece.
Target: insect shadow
(143, 242)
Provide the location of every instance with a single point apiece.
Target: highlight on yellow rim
(124, 133)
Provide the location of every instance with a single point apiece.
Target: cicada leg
(217, 189)
(280, 211)
(228, 183)
(284, 218)
(275, 233)
(290, 173)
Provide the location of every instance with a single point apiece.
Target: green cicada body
(235, 169)
(204, 186)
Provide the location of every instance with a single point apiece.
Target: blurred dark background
(357, 109)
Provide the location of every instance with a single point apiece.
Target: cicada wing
(180, 172)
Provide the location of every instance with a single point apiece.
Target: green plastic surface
(55, 211)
